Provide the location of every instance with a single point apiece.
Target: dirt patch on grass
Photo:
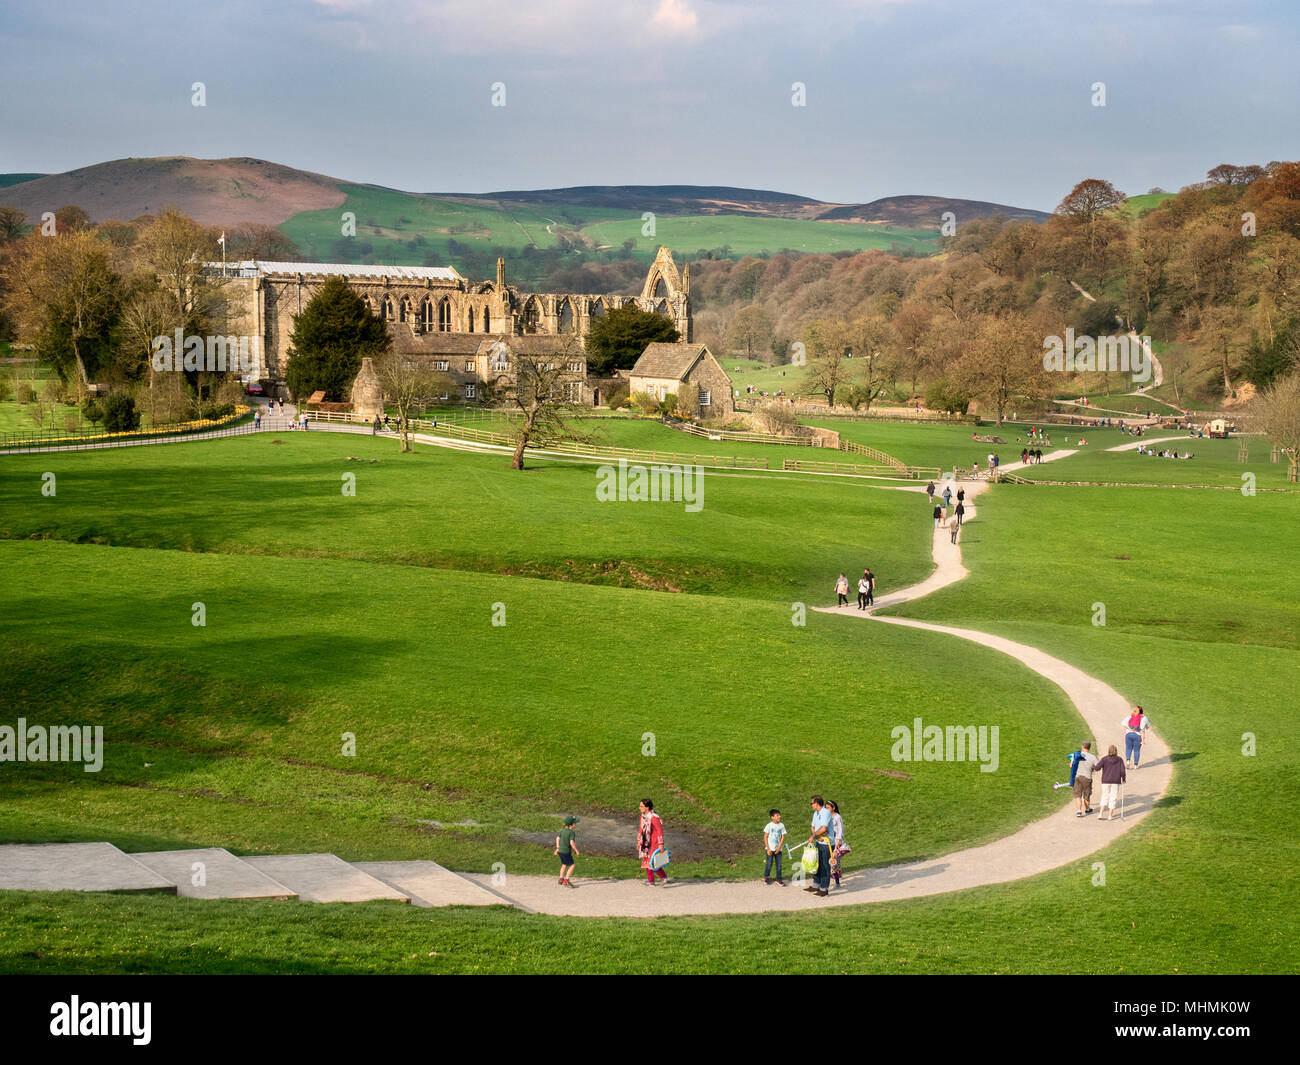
(650, 574)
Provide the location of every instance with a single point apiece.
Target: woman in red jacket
(649, 839)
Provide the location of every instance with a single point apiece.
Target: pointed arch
(487, 320)
(470, 320)
(568, 322)
(404, 310)
(386, 311)
(426, 315)
(596, 309)
(444, 315)
(661, 288)
(532, 315)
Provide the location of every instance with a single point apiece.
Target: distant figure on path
(929, 490)
(864, 586)
(842, 590)
(961, 495)
(938, 514)
(960, 513)
(871, 586)
(650, 838)
(947, 496)
(1112, 776)
(773, 841)
(954, 524)
(1135, 730)
(566, 846)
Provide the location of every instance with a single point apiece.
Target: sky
(990, 101)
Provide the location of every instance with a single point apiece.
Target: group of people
(1084, 765)
(650, 846)
(940, 512)
(1031, 456)
(1163, 453)
(866, 589)
(827, 836)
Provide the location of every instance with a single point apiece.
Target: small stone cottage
(672, 368)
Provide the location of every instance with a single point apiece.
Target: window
(443, 366)
(487, 320)
(706, 398)
(548, 366)
(469, 391)
(500, 363)
(471, 319)
(444, 317)
(469, 365)
(575, 367)
(573, 392)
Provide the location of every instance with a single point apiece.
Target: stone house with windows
(670, 368)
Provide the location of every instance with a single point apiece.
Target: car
(255, 389)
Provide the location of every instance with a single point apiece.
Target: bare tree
(406, 385)
(545, 393)
(1276, 414)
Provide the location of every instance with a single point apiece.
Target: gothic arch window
(444, 315)
(471, 319)
(660, 288)
(597, 309)
(426, 316)
(487, 320)
(532, 316)
(387, 312)
(404, 310)
(566, 317)
(662, 308)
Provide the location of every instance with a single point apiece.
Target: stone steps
(215, 873)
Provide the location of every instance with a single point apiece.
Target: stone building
(434, 313)
(665, 369)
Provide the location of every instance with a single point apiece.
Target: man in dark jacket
(1112, 776)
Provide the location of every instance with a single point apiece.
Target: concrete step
(323, 878)
(224, 875)
(429, 884)
(76, 867)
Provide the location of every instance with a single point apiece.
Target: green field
(688, 234)
(364, 629)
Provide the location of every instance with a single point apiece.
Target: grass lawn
(687, 234)
(1202, 628)
(1214, 463)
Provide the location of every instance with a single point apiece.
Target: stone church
(460, 326)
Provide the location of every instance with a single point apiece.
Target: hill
(211, 191)
(924, 212)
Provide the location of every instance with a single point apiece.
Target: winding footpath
(1053, 841)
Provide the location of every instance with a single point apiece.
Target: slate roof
(667, 360)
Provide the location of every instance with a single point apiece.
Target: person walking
(1135, 727)
(864, 586)
(871, 586)
(773, 840)
(929, 490)
(1083, 760)
(566, 846)
(954, 524)
(842, 590)
(821, 839)
(1112, 776)
(838, 846)
(960, 513)
(947, 496)
(938, 514)
(650, 838)
(961, 495)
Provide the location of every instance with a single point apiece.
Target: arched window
(471, 319)
(597, 309)
(388, 309)
(662, 308)
(660, 288)
(566, 317)
(426, 316)
(500, 362)
(444, 316)
(532, 315)
(487, 320)
(404, 310)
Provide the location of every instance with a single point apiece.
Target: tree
(64, 294)
(335, 331)
(12, 224)
(118, 413)
(1004, 360)
(69, 218)
(175, 249)
(826, 346)
(407, 384)
(540, 392)
(943, 395)
(254, 240)
(1276, 414)
(869, 338)
(750, 331)
(617, 339)
(1086, 204)
(910, 326)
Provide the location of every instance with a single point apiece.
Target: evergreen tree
(616, 340)
(335, 331)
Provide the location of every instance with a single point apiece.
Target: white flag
(222, 239)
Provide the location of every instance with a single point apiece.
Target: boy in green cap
(566, 847)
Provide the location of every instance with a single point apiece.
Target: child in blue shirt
(773, 839)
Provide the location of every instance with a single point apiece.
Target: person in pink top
(650, 838)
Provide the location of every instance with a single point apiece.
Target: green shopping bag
(809, 859)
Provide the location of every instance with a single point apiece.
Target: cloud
(675, 18)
